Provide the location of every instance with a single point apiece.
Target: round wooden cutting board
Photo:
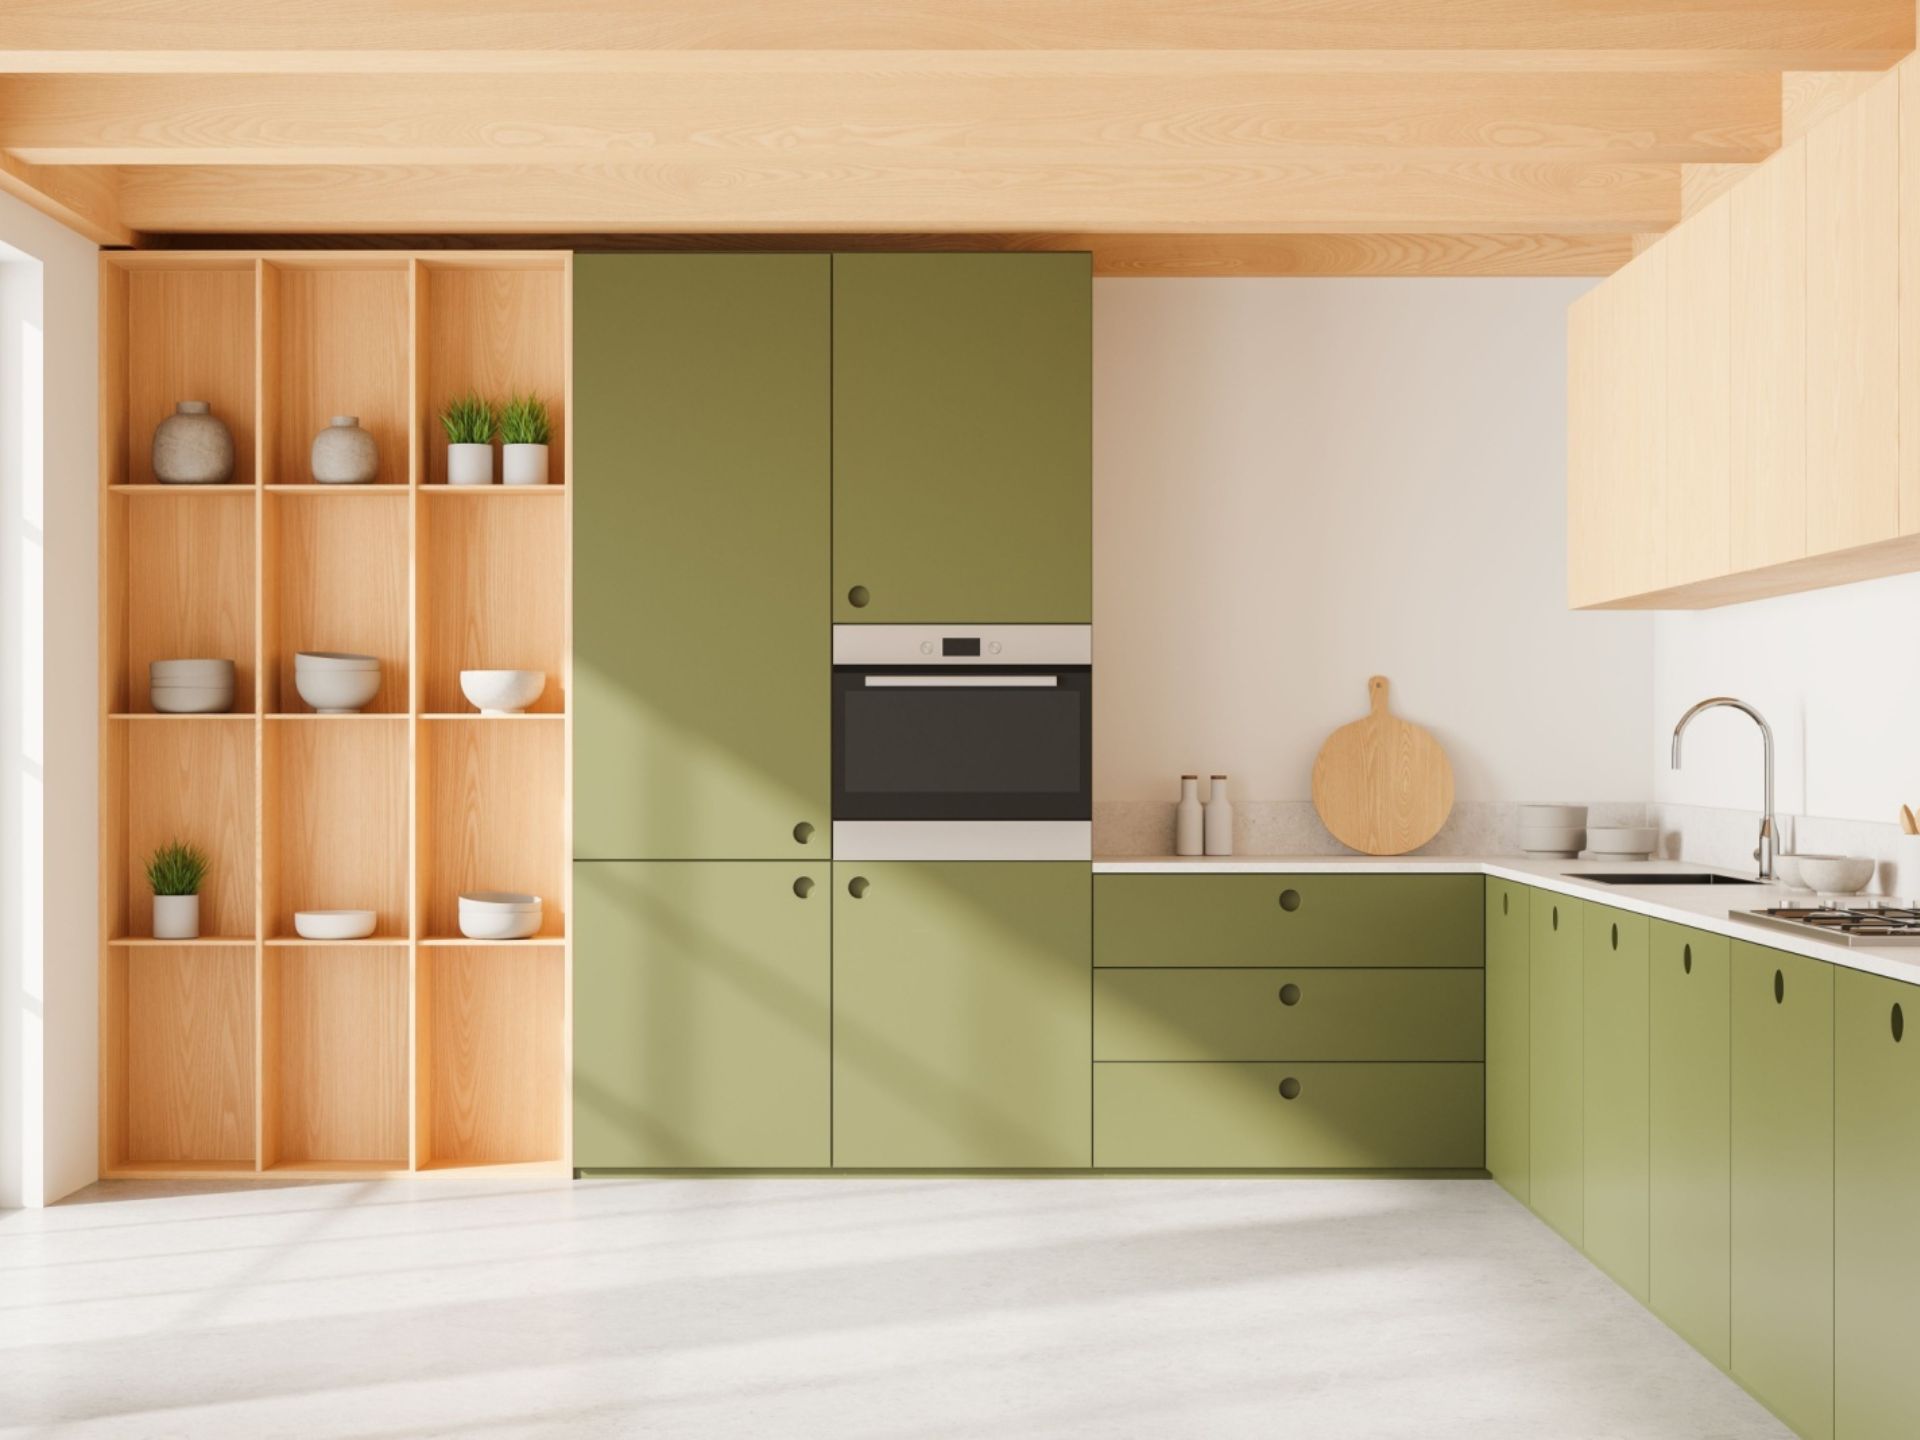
(1382, 785)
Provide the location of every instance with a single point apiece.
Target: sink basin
(1667, 877)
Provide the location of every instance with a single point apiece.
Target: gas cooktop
(1843, 924)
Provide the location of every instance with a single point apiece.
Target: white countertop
(1704, 907)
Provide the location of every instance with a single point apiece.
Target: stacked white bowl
(333, 924)
(1622, 842)
(1559, 831)
(191, 687)
(336, 684)
(499, 915)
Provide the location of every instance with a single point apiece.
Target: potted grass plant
(524, 432)
(176, 871)
(469, 422)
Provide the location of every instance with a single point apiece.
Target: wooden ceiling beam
(1228, 112)
(104, 35)
(85, 200)
(1173, 197)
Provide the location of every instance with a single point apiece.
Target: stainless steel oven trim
(962, 680)
(920, 645)
(857, 840)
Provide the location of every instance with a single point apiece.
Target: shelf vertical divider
(266, 351)
(419, 1132)
(566, 719)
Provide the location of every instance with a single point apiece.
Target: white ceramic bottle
(1219, 824)
(1187, 818)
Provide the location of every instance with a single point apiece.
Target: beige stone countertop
(1704, 907)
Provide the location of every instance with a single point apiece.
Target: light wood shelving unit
(254, 1052)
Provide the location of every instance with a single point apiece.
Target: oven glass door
(972, 743)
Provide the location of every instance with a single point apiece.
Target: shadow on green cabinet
(1557, 983)
(1614, 1095)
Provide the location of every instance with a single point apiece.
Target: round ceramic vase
(344, 454)
(192, 446)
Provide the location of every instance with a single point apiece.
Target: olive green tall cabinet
(765, 444)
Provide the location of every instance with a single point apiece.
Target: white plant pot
(523, 464)
(176, 917)
(469, 464)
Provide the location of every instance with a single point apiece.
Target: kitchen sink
(1665, 877)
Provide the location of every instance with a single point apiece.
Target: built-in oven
(962, 742)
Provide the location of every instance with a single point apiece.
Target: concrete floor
(1310, 1309)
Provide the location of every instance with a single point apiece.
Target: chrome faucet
(1769, 827)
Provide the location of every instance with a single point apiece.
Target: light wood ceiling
(1168, 136)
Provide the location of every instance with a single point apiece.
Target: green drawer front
(1288, 920)
(1237, 1117)
(1287, 1015)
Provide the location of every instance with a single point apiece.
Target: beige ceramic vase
(192, 446)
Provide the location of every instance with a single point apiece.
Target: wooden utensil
(1907, 822)
(1382, 785)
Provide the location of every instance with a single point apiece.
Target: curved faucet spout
(1769, 827)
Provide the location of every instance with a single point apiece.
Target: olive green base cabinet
(1507, 1035)
(702, 655)
(1876, 1195)
(1287, 1116)
(1556, 1044)
(962, 1035)
(963, 438)
(1614, 1095)
(1290, 920)
(701, 1019)
(1690, 1121)
(1783, 1184)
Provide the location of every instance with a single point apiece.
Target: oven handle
(944, 682)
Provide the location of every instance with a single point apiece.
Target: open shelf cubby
(251, 1050)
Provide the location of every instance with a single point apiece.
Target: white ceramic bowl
(208, 699)
(1622, 839)
(1786, 869)
(502, 692)
(499, 915)
(1536, 840)
(336, 684)
(189, 672)
(333, 660)
(1552, 817)
(333, 924)
(1835, 874)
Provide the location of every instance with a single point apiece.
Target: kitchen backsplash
(1724, 840)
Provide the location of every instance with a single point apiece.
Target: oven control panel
(963, 644)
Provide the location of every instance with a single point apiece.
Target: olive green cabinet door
(962, 1015)
(701, 1015)
(702, 649)
(1876, 1107)
(1615, 1095)
(1507, 1035)
(1556, 985)
(1690, 1103)
(962, 438)
(1783, 1184)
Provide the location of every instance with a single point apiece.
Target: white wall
(1834, 672)
(49, 729)
(1300, 483)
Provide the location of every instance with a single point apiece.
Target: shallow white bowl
(1622, 839)
(502, 692)
(332, 660)
(499, 915)
(1835, 874)
(337, 692)
(1786, 869)
(198, 699)
(1552, 817)
(333, 924)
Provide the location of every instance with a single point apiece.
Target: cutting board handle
(1377, 689)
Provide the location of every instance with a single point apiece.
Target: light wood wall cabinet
(1784, 347)
(254, 1051)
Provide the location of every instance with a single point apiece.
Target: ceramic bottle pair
(1199, 829)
